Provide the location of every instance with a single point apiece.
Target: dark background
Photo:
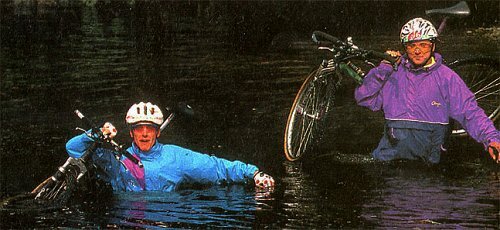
(253, 25)
(239, 64)
(53, 61)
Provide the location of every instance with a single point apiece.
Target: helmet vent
(144, 112)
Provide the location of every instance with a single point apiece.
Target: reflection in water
(326, 195)
(229, 207)
(100, 60)
(423, 198)
(386, 195)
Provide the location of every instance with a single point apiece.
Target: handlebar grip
(325, 36)
(88, 121)
(384, 56)
(84, 118)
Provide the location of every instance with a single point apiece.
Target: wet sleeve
(77, 145)
(203, 168)
(369, 93)
(465, 110)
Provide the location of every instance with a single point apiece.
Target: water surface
(101, 62)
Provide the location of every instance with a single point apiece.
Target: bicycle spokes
(316, 115)
(490, 89)
(482, 76)
(304, 127)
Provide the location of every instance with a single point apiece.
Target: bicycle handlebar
(384, 56)
(89, 122)
(317, 37)
(330, 38)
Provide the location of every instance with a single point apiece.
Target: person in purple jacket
(418, 99)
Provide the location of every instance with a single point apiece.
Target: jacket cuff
(487, 143)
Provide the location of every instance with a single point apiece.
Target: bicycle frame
(315, 97)
(309, 106)
(346, 67)
(50, 188)
(66, 182)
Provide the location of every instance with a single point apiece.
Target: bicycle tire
(308, 113)
(482, 76)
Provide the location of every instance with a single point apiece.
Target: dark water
(57, 60)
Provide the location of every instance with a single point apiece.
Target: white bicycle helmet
(144, 113)
(418, 29)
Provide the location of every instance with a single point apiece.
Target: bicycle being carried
(316, 97)
(77, 178)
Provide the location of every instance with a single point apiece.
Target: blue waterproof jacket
(417, 105)
(166, 167)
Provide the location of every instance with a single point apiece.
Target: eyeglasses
(423, 46)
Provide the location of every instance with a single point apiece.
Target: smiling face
(419, 52)
(144, 136)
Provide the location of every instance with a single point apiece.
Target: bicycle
(316, 96)
(77, 177)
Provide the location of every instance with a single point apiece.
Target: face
(419, 52)
(144, 136)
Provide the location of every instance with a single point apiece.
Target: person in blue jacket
(166, 167)
(418, 99)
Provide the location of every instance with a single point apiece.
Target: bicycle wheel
(57, 197)
(308, 113)
(482, 76)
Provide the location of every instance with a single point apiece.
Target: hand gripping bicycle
(78, 175)
(74, 169)
(70, 179)
(316, 96)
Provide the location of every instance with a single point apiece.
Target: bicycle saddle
(461, 9)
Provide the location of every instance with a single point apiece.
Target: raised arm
(369, 93)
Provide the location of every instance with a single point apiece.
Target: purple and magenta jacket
(430, 95)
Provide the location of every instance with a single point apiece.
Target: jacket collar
(407, 64)
(152, 153)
